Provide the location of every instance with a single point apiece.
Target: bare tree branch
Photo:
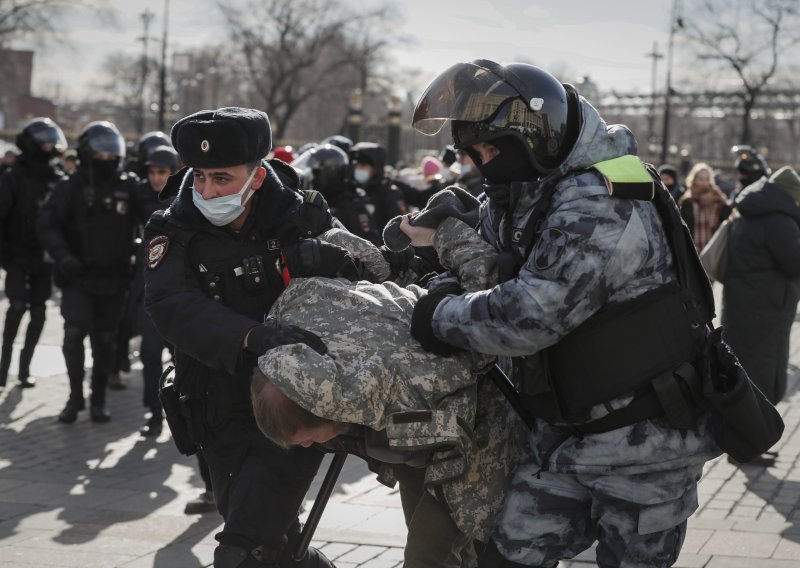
(746, 37)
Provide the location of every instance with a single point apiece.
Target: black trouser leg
(16, 310)
(204, 473)
(75, 359)
(103, 348)
(32, 335)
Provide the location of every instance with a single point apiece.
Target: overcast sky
(605, 39)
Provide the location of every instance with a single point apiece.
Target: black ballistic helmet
(100, 137)
(328, 166)
(149, 142)
(486, 100)
(339, 141)
(41, 136)
(749, 163)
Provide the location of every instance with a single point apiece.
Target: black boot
(13, 317)
(153, 426)
(99, 414)
(24, 375)
(70, 412)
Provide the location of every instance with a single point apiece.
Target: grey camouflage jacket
(378, 376)
(594, 250)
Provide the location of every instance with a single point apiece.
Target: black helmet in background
(101, 149)
(326, 166)
(342, 142)
(523, 110)
(163, 157)
(41, 140)
(750, 165)
(149, 142)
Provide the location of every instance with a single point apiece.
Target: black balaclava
(103, 172)
(511, 164)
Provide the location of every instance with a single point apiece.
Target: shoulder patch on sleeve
(311, 196)
(549, 249)
(157, 249)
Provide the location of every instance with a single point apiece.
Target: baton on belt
(317, 509)
(510, 392)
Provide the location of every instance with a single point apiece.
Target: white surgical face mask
(465, 169)
(361, 175)
(225, 209)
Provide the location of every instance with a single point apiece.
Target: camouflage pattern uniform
(632, 488)
(378, 376)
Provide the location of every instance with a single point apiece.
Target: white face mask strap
(247, 185)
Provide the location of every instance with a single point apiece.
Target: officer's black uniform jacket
(213, 284)
(23, 189)
(96, 224)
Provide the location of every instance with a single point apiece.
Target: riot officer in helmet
(23, 189)
(581, 228)
(87, 225)
(750, 165)
(338, 140)
(146, 144)
(327, 169)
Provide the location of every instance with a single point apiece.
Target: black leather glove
(70, 267)
(266, 336)
(313, 257)
(399, 261)
(422, 322)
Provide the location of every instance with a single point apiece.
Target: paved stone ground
(99, 495)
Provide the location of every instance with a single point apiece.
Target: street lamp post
(393, 129)
(675, 23)
(162, 80)
(354, 114)
(147, 16)
(651, 119)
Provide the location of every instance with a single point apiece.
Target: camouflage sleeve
(361, 249)
(462, 250)
(590, 248)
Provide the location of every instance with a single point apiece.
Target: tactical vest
(244, 274)
(102, 234)
(631, 347)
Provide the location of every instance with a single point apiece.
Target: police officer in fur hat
(213, 268)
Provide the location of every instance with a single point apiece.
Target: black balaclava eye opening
(511, 164)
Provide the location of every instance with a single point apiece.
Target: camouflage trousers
(637, 520)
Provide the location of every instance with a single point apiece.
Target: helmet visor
(470, 92)
(50, 136)
(107, 142)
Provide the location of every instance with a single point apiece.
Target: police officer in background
(87, 225)
(213, 269)
(591, 312)
(384, 200)
(140, 164)
(159, 164)
(23, 189)
(750, 166)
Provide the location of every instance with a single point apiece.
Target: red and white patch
(156, 250)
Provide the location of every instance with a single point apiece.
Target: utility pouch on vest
(744, 423)
(176, 411)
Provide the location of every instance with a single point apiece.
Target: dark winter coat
(762, 284)
(23, 189)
